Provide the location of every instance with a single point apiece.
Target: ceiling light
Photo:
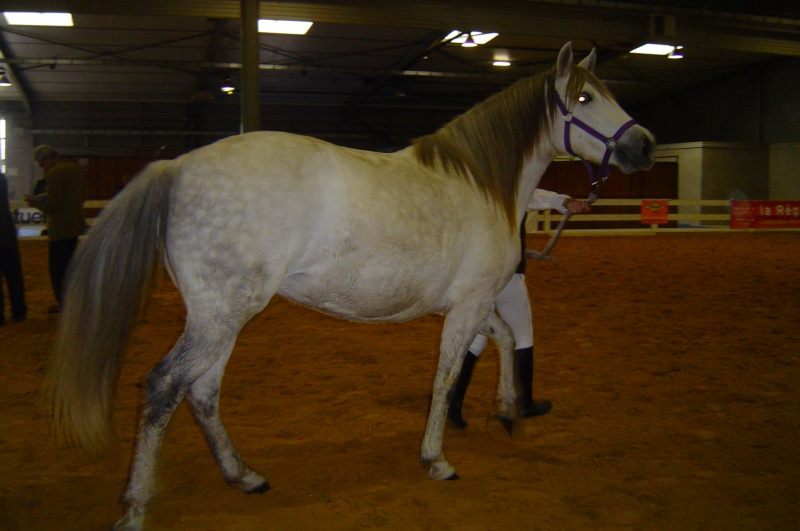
(461, 37)
(502, 63)
(289, 27)
(21, 18)
(227, 87)
(4, 81)
(469, 42)
(677, 54)
(654, 49)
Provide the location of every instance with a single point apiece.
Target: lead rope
(545, 253)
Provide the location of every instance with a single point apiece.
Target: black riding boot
(523, 378)
(460, 389)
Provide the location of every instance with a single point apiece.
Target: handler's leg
(460, 390)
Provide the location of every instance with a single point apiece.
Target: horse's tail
(108, 280)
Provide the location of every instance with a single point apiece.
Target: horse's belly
(363, 300)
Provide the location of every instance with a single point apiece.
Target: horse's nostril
(647, 145)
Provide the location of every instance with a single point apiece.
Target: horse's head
(591, 125)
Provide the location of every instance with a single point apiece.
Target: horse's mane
(489, 143)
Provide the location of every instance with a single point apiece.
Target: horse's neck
(531, 174)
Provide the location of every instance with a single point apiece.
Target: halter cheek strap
(610, 142)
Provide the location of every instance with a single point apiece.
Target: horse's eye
(584, 98)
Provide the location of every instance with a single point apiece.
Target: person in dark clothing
(63, 204)
(10, 262)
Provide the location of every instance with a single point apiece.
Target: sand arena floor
(672, 362)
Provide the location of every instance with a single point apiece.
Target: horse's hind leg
(204, 399)
(200, 347)
(503, 336)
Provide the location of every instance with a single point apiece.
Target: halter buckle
(567, 117)
(611, 144)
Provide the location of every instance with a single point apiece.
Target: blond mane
(490, 143)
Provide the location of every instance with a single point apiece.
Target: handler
(513, 306)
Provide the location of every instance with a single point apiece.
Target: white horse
(360, 235)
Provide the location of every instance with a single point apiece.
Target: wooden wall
(105, 176)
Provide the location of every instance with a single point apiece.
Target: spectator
(63, 204)
(10, 263)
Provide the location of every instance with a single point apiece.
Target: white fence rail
(691, 216)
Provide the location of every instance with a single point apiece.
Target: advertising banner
(29, 221)
(765, 214)
(655, 211)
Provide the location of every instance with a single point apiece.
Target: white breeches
(513, 306)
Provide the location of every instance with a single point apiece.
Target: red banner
(765, 214)
(655, 211)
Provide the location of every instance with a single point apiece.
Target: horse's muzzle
(635, 150)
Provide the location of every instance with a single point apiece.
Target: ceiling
(362, 54)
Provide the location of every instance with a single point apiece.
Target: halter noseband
(610, 142)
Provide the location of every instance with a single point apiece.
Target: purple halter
(610, 142)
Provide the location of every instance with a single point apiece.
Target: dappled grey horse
(360, 235)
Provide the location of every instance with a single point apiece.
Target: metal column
(251, 100)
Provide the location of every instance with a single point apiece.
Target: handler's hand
(576, 206)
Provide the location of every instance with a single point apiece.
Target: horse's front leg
(503, 336)
(459, 330)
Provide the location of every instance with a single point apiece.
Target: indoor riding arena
(671, 361)
(378, 161)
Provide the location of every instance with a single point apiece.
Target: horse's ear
(589, 61)
(564, 60)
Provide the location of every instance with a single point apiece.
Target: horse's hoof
(506, 422)
(536, 408)
(128, 524)
(259, 489)
(251, 483)
(442, 471)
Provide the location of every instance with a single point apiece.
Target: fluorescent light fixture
(654, 49)
(4, 81)
(289, 27)
(460, 37)
(24, 18)
(502, 63)
(677, 54)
